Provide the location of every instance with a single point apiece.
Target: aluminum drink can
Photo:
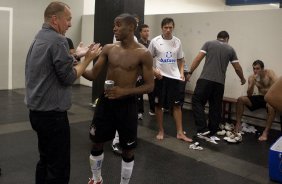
(109, 84)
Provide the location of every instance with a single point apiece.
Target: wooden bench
(227, 104)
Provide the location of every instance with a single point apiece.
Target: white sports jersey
(165, 54)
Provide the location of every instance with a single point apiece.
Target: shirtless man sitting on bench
(263, 80)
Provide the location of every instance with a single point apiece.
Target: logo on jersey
(168, 58)
(168, 54)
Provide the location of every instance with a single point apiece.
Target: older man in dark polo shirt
(49, 74)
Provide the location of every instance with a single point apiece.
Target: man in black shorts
(263, 80)
(169, 72)
(116, 108)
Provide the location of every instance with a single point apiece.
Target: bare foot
(183, 138)
(160, 136)
(262, 138)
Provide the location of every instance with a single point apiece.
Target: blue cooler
(275, 161)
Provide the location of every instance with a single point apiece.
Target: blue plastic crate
(275, 161)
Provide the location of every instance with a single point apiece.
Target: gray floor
(156, 162)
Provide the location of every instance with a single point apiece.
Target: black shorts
(112, 115)
(257, 101)
(167, 92)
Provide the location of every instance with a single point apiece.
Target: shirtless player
(116, 108)
(263, 80)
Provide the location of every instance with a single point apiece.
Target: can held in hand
(109, 84)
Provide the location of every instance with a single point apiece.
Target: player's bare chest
(124, 59)
(263, 82)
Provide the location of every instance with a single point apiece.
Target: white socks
(126, 171)
(96, 165)
(116, 139)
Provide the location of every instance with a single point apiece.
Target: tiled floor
(156, 162)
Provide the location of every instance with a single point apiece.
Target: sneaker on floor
(203, 133)
(116, 148)
(152, 113)
(230, 134)
(91, 181)
(140, 116)
(229, 126)
(214, 138)
(212, 141)
(222, 132)
(236, 139)
(230, 140)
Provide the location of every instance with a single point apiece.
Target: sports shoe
(229, 126)
(214, 138)
(152, 113)
(140, 116)
(222, 132)
(205, 137)
(91, 181)
(203, 133)
(236, 139)
(116, 149)
(230, 134)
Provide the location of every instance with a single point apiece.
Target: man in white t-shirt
(167, 52)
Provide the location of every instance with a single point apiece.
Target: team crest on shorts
(92, 130)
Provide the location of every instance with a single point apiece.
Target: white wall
(27, 19)
(153, 7)
(253, 34)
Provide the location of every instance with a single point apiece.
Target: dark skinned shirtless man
(116, 108)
